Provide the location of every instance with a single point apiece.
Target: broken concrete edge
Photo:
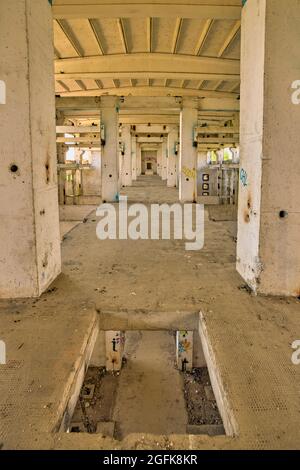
(75, 380)
(221, 395)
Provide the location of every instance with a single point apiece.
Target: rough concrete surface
(250, 336)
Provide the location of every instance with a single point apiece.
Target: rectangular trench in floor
(149, 395)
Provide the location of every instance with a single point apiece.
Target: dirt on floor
(96, 401)
(200, 400)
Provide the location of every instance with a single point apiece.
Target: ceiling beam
(148, 65)
(96, 35)
(176, 35)
(149, 34)
(63, 85)
(123, 35)
(81, 85)
(99, 84)
(221, 9)
(151, 91)
(234, 88)
(230, 38)
(70, 37)
(203, 36)
(217, 86)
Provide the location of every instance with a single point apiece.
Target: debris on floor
(201, 404)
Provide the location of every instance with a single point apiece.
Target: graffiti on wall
(184, 350)
(244, 177)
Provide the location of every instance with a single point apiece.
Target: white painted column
(172, 157)
(159, 160)
(110, 151)
(139, 159)
(114, 345)
(268, 254)
(184, 350)
(127, 160)
(61, 158)
(29, 231)
(164, 161)
(134, 158)
(188, 153)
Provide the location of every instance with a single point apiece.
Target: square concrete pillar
(164, 159)
(184, 350)
(127, 157)
(30, 256)
(139, 159)
(268, 254)
(159, 160)
(172, 157)
(110, 150)
(134, 158)
(188, 152)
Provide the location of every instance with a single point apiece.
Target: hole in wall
(14, 168)
(283, 214)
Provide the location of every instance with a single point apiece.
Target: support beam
(230, 38)
(30, 236)
(149, 27)
(176, 36)
(122, 35)
(148, 65)
(149, 91)
(220, 10)
(96, 35)
(63, 26)
(203, 36)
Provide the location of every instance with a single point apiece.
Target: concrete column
(184, 350)
(127, 160)
(159, 160)
(139, 159)
(268, 255)
(188, 153)
(114, 342)
(61, 158)
(172, 157)
(29, 230)
(164, 160)
(110, 151)
(134, 158)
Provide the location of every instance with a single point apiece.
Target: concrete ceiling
(157, 48)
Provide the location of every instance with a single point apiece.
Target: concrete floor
(150, 397)
(250, 337)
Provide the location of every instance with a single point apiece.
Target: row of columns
(268, 255)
